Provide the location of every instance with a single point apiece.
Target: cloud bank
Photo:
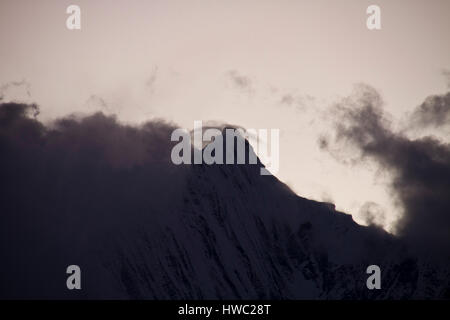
(83, 181)
(419, 168)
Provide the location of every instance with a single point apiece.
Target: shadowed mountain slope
(106, 197)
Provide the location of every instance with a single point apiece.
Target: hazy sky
(258, 64)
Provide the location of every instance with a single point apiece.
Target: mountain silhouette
(105, 196)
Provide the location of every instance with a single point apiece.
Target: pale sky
(179, 60)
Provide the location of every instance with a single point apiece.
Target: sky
(257, 64)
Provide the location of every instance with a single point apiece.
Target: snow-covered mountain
(239, 235)
(180, 232)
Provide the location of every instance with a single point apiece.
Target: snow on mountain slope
(240, 235)
(106, 197)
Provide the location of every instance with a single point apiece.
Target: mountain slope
(242, 235)
(106, 197)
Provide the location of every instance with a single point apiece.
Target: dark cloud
(419, 168)
(76, 183)
(433, 112)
